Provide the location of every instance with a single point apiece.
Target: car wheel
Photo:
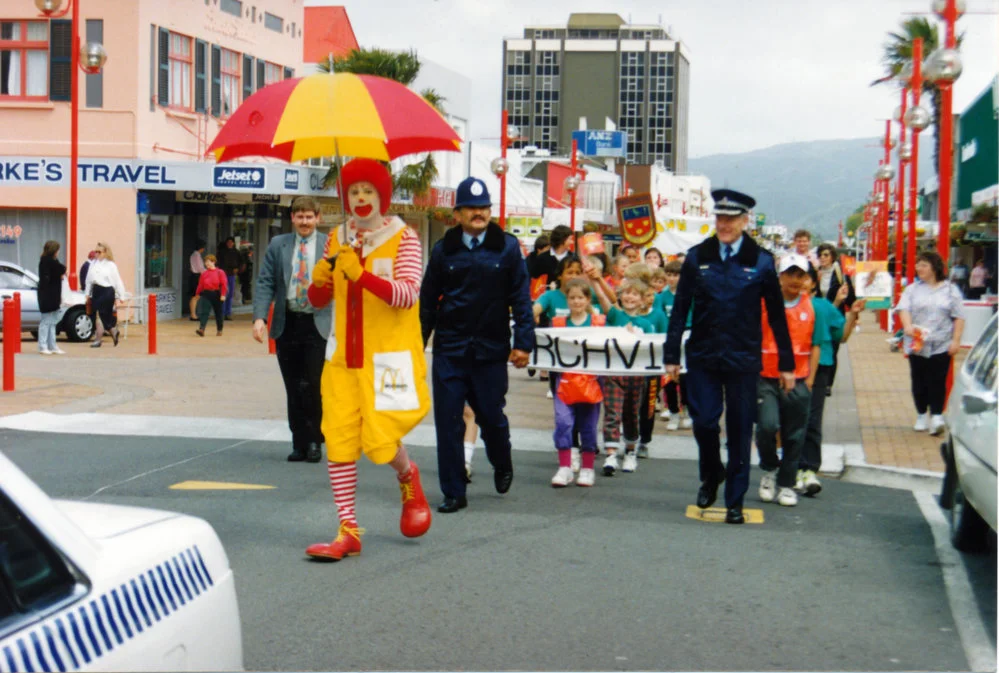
(77, 325)
(967, 527)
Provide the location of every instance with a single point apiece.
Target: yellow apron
(374, 388)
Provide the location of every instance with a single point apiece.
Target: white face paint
(365, 204)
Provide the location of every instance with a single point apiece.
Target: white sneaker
(922, 423)
(468, 473)
(45, 351)
(630, 463)
(576, 461)
(799, 482)
(665, 415)
(548, 394)
(687, 422)
(586, 477)
(787, 497)
(58, 351)
(811, 483)
(610, 464)
(563, 477)
(673, 425)
(768, 486)
(937, 425)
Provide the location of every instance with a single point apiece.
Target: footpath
(868, 419)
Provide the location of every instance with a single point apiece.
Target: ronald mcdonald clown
(373, 386)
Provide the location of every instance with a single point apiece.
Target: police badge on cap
(731, 202)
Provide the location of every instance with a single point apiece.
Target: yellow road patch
(218, 486)
(717, 514)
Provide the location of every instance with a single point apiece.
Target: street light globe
(499, 166)
(93, 57)
(943, 65)
(940, 7)
(904, 76)
(917, 118)
(571, 183)
(884, 172)
(48, 7)
(905, 151)
(512, 132)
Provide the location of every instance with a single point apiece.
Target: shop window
(272, 73)
(24, 59)
(181, 68)
(231, 91)
(159, 244)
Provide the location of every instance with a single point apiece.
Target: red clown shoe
(347, 543)
(415, 520)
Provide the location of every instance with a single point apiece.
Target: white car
(87, 586)
(74, 322)
(970, 485)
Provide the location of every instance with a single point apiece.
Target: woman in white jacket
(104, 292)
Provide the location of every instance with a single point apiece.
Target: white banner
(613, 351)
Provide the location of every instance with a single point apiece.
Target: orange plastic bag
(579, 389)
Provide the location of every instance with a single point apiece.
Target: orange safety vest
(801, 326)
(596, 320)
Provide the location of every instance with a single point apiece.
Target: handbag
(579, 389)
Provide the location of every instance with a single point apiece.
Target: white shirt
(104, 272)
(310, 261)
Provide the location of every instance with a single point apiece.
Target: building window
(234, 7)
(275, 23)
(231, 92)
(272, 73)
(631, 109)
(159, 244)
(24, 59)
(181, 69)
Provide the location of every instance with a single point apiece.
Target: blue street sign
(601, 143)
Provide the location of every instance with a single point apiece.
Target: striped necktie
(302, 276)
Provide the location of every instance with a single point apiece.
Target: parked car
(86, 586)
(75, 323)
(970, 485)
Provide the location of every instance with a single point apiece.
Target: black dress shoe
(503, 479)
(452, 505)
(734, 515)
(313, 453)
(296, 457)
(708, 491)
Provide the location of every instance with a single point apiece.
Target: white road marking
(978, 648)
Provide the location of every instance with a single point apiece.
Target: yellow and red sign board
(637, 218)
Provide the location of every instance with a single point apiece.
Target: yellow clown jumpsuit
(374, 388)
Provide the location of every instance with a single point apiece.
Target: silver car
(970, 485)
(74, 322)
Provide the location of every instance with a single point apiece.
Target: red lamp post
(904, 154)
(90, 59)
(500, 167)
(916, 118)
(571, 185)
(943, 67)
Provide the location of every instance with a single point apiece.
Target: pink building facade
(176, 69)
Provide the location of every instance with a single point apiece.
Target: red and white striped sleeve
(403, 290)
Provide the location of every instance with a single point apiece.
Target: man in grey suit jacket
(299, 330)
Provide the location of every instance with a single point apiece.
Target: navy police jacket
(727, 330)
(467, 297)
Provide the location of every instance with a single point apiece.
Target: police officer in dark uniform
(475, 280)
(725, 277)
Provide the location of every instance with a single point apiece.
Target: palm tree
(898, 52)
(403, 67)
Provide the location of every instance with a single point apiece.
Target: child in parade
(777, 411)
(654, 258)
(578, 396)
(837, 331)
(617, 269)
(553, 302)
(622, 394)
(650, 394)
(675, 390)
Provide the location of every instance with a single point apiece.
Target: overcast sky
(763, 72)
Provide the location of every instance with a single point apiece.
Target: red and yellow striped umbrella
(328, 115)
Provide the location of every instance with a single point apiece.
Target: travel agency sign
(162, 175)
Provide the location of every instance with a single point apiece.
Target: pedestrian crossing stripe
(219, 486)
(75, 637)
(717, 514)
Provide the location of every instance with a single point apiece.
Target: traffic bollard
(17, 323)
(8, 345)
(271, 344)
(151, 323)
